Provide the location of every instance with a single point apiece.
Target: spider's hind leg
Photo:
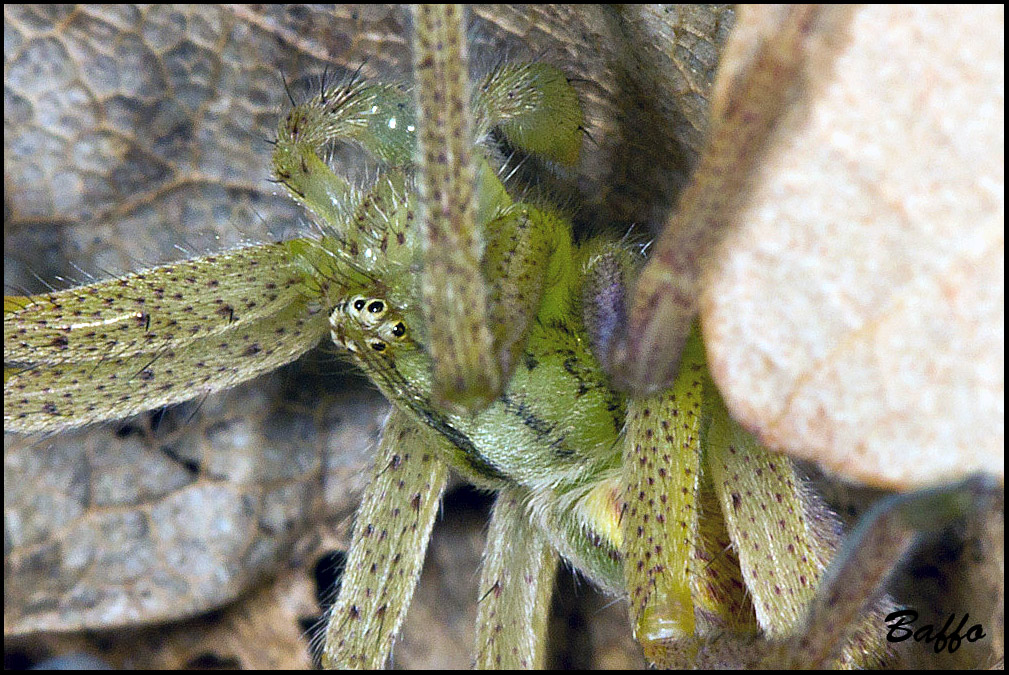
(870, 554)
(516, 582)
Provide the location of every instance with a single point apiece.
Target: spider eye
(399, 330)
(375, 307)
(359, 304)
(378, 346)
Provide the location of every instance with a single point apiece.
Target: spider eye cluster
(367, 322)
(369, 312)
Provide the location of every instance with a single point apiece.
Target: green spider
(550, 443)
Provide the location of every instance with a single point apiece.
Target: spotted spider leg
(516, 583)
(393, 524)
(699, 486)
(719, 536)
(478, 313)
(851, 587)
(452, 286)
(747, 107)
(153, 338)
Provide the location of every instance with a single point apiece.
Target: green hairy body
(482, 320)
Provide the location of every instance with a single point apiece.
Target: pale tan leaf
(856, 315)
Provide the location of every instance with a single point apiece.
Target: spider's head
(386, 342)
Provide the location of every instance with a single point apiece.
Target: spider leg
(453, 291)
(387, 550)
(153, 338)
(662, 468)
(477, 313)
(785, 535)
(516, 582)
(869, 555)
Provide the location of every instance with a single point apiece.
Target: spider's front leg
(154, 338)
(464, 295)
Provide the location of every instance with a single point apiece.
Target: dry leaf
(855, 316)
